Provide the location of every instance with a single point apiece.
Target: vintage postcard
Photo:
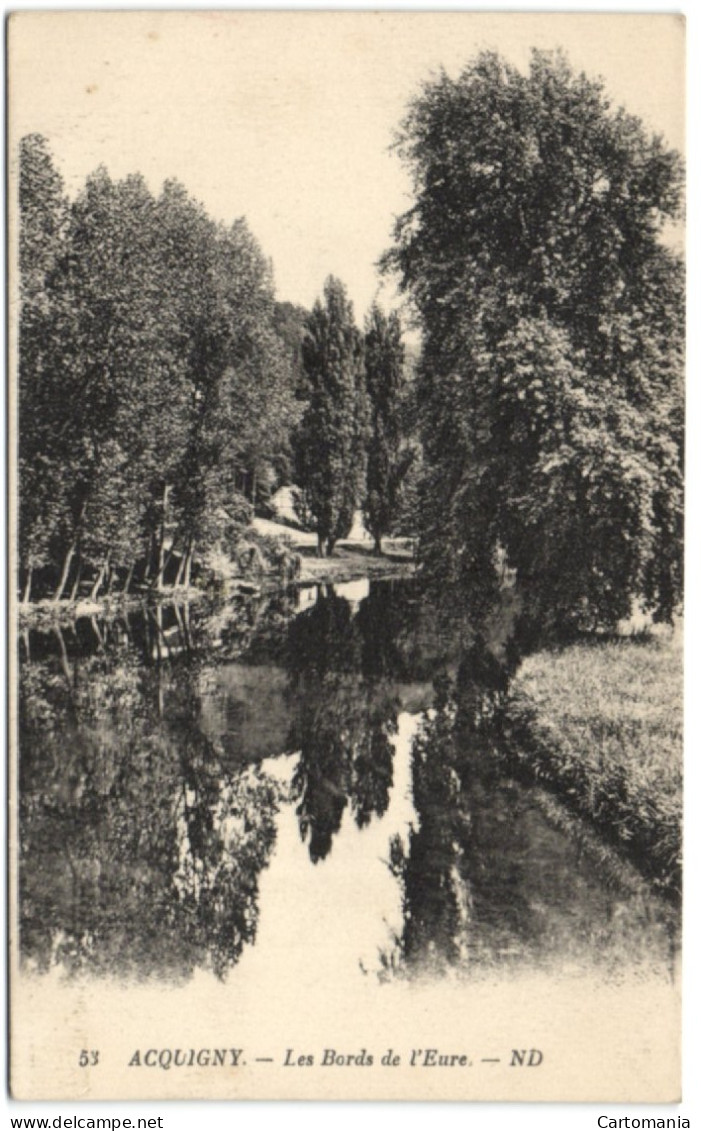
(346, 453)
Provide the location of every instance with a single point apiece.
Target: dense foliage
(331, 440)
(552, 311)
(155, 395)
(389, 455)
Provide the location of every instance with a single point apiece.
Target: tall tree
(290, 325)
(156, 399)
(126, 401)
(551, 377)
(43, 216)
(387, 463)
(242, 404)
(330, 443)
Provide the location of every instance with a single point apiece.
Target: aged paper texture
(242, 864)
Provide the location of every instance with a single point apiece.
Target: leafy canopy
(551, 375)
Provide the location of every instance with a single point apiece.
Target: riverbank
(352, 560)
(351, 563)
(600, 724)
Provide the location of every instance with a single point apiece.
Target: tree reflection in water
(345, 714)
(443, 858)
(146, 820)
(492, 874)
(140, 849)
(436, 897)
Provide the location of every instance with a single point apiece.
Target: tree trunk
(127, 627)
(254, 488)
(127, 583)
(64, 656)
(148, 561)
(377, 551)
(156, 634)
(158, 583)
(319, 546)
(66, 569)
(330, 546)
(69, 555)
(98, 581)
(183, 569)
(181, 626)
(76, 583)
(26, 596)
(188, 563)
(186, 625)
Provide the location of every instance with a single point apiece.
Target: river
(276, 783)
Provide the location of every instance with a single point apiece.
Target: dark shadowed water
(189, 774)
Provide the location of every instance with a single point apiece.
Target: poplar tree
(330, 442)
(386, 462)
(43, 218)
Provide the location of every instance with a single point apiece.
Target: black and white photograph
(346, 596)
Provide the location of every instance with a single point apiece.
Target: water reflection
(139, 849)
(177, 764)
(343, 723)
(437, 897)
(498, 876)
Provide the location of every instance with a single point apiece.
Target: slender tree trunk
(98, 581)
(69, 556)
(64, 655)
(78, 575)
(127, 583)
(158, 583)
(188, 563)
(66, 569)
(181, 626)
(181, 570)
(378, 546)
(149, 558)
(156, 632)
(186, 625)
(27, 650)
(319, 546)
(329, 547)
(27, 595)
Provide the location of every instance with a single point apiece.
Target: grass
(601, 725)
(351, 559)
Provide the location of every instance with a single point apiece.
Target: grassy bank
(352, 558)
(351, 562)
(601, 725)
